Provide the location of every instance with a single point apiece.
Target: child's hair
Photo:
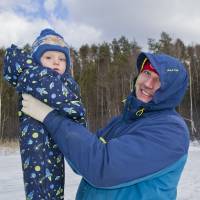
(49, 40)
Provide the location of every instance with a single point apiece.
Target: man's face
(147, 84)
(55, 60)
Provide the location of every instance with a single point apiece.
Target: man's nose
(149, 83)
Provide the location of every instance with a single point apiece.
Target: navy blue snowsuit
(42, 161)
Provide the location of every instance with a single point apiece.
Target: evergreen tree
(105, 73)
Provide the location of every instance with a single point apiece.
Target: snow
(11, 184)
(189, 186)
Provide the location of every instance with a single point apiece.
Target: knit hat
(147, 66)
(49, 40)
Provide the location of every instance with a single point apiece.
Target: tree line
(105, 73)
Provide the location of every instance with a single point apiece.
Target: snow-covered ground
(11, 185)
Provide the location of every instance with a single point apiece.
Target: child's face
(55, 60)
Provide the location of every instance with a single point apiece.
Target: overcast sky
(94, 21)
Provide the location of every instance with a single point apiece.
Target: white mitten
(35, 108)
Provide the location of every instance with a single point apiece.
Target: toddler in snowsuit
(45, 75)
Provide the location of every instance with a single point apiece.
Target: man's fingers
(24, 103)
(24, 95)
(24, 110)
(27, 97)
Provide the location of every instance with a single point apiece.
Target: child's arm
(15, 62)
(43, 83)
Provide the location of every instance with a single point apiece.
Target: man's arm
(136, 155)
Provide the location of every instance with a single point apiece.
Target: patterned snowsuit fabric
(42, 161)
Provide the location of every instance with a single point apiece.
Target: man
(141, 153)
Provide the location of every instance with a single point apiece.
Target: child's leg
(42, 163)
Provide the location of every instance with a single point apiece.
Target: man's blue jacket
(140, 154)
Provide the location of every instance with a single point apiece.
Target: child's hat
(49, 40)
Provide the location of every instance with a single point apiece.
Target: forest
(105, 73)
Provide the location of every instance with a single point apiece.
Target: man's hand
(35, 108)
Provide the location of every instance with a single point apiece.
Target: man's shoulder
(164, 122)
(167, 129)
(166, 117)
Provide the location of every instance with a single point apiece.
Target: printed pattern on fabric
(42, 161)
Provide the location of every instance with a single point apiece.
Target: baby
(45, 74)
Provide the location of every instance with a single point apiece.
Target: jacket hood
(173, 78)
(174, 81)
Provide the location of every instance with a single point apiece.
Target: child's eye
(48, 57)
(62, 59)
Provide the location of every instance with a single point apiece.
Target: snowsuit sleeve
(43, 83)
(15, 62)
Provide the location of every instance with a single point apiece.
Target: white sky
(94, 21)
